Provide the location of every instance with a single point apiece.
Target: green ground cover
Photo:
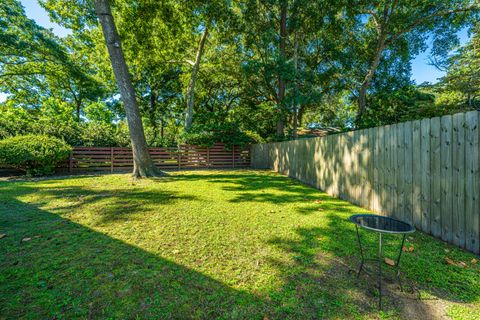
(206, 244)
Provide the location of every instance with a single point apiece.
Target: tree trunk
(193, 79)
(281, 81)
(78, 106)
(295, 99)
(300, 115)
(362, 93)
(142, 163)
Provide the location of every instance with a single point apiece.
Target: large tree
(33, 59)
(80, 15)
(463, 72)
(402, 28)
(143, 165)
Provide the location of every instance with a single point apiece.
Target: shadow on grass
(319, 280)
(325, 259)
(71, 271)
(113, 205)
(68, 270)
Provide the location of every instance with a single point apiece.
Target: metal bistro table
(381, 225)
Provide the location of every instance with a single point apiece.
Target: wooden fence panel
(446, 177)
(458, 179)
(435, 169)
(192, 157)
(400, 174)
(472, 178)
(387, 147)
(425, 172)
(407, 153)
(417, 174)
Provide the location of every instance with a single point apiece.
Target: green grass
(207, 244)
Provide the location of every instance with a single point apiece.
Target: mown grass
(210, 244)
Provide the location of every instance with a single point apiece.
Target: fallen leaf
(411, 249)
(447, 251)
(265, 318)
(450, 261)
(320, 209)
(404, 249)
(462, 264)
(390, 262)
(2, 235)
(318, 201)
(26, 239)
(37, 236)
(474, 261)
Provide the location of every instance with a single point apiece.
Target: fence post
(233, 157)
(208, 156)
(178, 156)
(70, 162)
(111, 159)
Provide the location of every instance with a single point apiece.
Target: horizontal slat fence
(184, 157)
(424, 172)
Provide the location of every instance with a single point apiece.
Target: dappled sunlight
(236, 244)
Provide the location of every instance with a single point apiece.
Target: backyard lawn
(207, 244)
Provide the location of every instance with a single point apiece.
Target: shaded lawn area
(206, 244)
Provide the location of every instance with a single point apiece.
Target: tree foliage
(267, 68)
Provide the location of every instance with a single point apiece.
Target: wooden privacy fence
(183, 157)
(426, 172)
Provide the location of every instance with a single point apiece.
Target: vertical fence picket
(435, 169)
(111, 160)
(472, 188)
(446, 177)
(408, 193)
(417, 174)
(425, 170)
(400, 176)
(458, 179)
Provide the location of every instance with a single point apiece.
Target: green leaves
(36, 155)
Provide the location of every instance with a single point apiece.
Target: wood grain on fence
(426, 172)
(183, 157)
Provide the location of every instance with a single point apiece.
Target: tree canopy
(238, 70)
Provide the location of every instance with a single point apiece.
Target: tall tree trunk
(300, 115)
(78, 107)
(281, 81)
(142, 163)
(362, 93)
(193, 79)
(295, 99)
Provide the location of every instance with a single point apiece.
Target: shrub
(36, 155)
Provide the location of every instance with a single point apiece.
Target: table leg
(397, 265)
(380, 271)
(361, 252)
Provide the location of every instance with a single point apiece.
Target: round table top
(381, 224)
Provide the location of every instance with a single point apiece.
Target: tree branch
(421, 20)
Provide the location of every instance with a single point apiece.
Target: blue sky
(421, 70)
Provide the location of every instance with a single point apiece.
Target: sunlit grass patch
(206, 244)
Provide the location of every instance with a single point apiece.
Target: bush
(36, 155)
